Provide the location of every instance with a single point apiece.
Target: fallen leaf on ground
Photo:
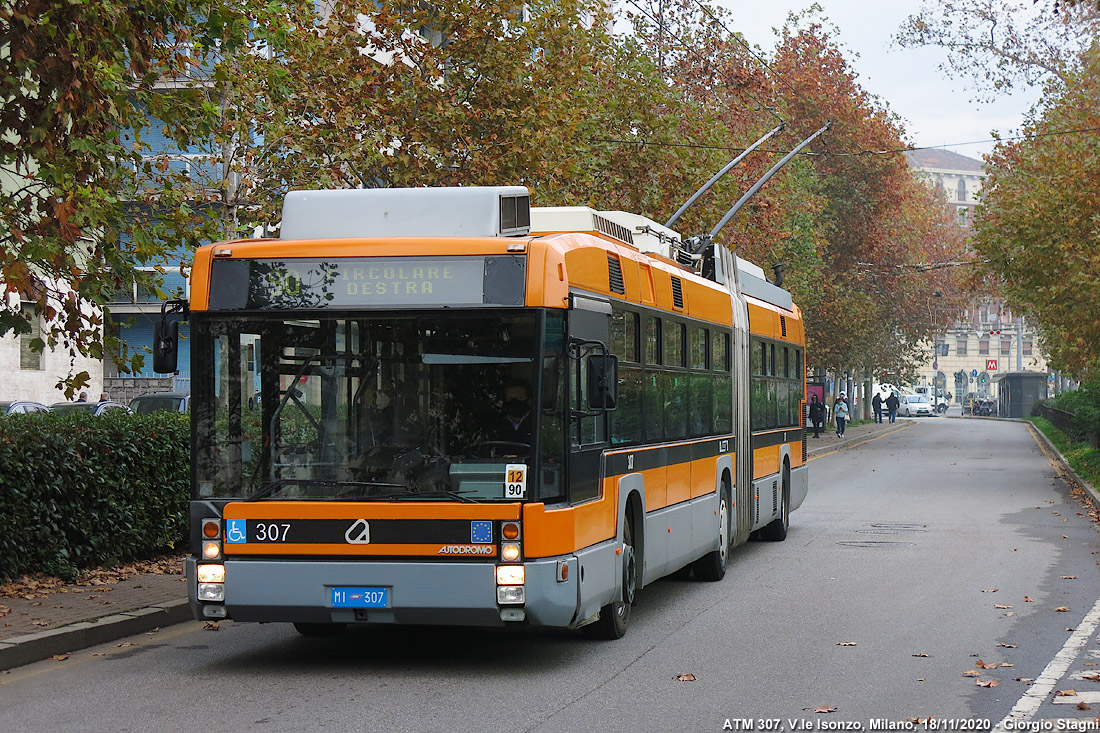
(1069, 577)
(1006, 664)
(1007, 646)
(991, 590)
(920, 655)
(845, 643)
(972, 673)
(1093, 677)
(1028, 600)
(997, 605)
(1025, 680)
(686, 677)
(99, 654)
(1083, 706)
(59, 657)
(983, 665)
(988, 683)
(1062, 609)
(125, 644)
(210, 626)
(824, 709)
(1065, 693)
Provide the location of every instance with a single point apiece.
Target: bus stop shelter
(1019, 391)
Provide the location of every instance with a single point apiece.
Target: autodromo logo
(358, 533)
(466, 550)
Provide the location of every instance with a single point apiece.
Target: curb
(19, 650)
(857, 441)
(1090, 490)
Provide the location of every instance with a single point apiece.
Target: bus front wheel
(615, 616)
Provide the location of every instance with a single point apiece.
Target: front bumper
(452, 593)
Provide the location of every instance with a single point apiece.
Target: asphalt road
(875, 607)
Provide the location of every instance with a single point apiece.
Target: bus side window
(626, 419)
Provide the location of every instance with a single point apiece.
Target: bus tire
(712, 566)
(776, 530)
(319, 629)
(615, 616)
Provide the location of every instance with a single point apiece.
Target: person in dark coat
(876, 405)
(817, 415)
(892, 404)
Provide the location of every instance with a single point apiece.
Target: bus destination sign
(366, 282)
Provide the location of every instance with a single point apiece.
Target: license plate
(360, 597)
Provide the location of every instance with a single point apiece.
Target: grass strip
(1082, 458)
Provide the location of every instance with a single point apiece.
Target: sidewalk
(45, 621)
(50, 620)
(854, 434)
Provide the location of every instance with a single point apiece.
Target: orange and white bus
(443, 406)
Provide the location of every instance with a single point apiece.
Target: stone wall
(124, 389)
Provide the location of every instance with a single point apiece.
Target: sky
(938, 111)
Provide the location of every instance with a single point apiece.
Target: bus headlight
(509, 552)
(510, 575)
(510, 594)
(211, 573)
(212, 592)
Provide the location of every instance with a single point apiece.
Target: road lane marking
(1029, 704)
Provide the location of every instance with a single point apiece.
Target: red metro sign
(991, 365)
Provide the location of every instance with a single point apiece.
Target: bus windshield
(364, 406)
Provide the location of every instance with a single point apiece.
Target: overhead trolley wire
(890, 151)
(659, 22)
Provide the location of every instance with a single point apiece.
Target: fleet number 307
(271, 532)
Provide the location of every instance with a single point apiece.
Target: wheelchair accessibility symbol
(235, 530)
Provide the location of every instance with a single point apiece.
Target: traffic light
(982, 377)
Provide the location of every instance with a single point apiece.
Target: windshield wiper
(273, 487)
(440, 494)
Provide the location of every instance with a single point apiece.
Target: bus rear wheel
(712, 566)
(615, 616)
(776, 530)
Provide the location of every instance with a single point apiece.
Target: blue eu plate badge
(481, 532)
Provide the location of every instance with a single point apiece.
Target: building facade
(988, 340)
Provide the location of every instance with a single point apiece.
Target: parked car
(985, 408)
(19, 407)
(153, 401)
(914, 404)
(94, 408)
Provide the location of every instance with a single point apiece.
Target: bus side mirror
(165, 345)
(603, 381)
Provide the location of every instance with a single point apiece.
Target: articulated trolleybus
(443, 406)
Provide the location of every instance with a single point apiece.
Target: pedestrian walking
(876, 405)
(817, 414)
(840, 410)
(892, 406)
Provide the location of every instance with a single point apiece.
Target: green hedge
(78, 491)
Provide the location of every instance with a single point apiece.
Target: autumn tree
(1000, 45)
(83, 206)
(453, 92)
(884, 233)
(1038, 225)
